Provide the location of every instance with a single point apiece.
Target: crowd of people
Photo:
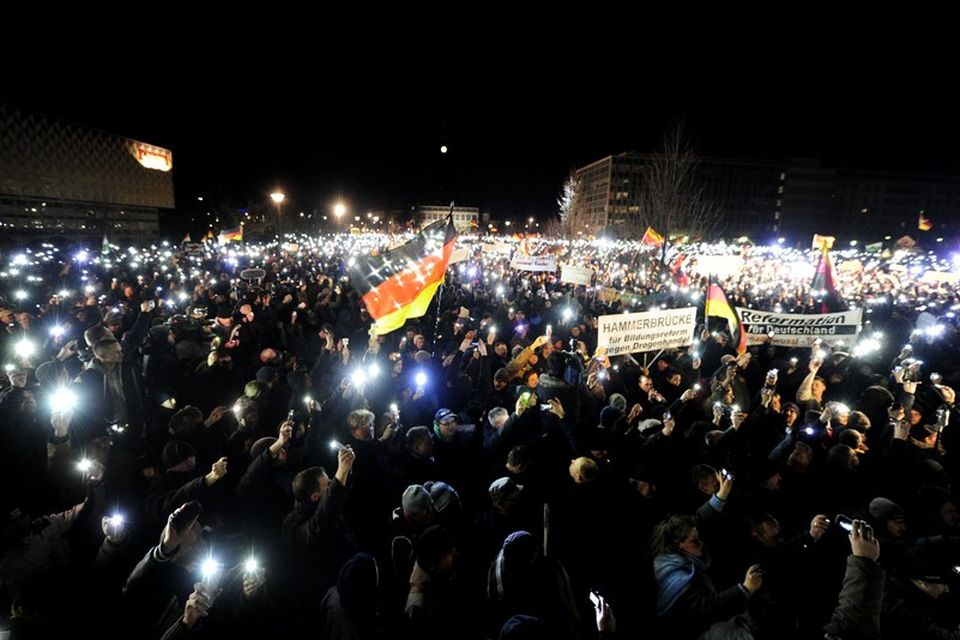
(211, 443)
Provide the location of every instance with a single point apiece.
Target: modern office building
(793, 198)
(63, 179)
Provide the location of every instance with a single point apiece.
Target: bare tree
(570, 203)
(672, 199)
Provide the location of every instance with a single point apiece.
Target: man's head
(435, 551)
(642, 480)
(497, 417)
(262, 445)
(618, 401)
(445, 424)
(501, 379)
(583, 470)
(925, 564)
(108, 352)
(113, 321)
(888, 515)
(504, 494)
(417, 506)
(501, 348)
(310, 485)
(185, 423)
(646, 383)
(28, 402)
(765, 530)
(949, 514)
(790, 413)
(361, 423)
(178, 457)
(915, 416)
(706, 478)
(772, 480)
(270, 357)
(518, 460)
(673, 377)
(419, 442)
(224, 316)
(800, 458)
(546, 350)
(531, 379)
(818, 387)
(842, 456)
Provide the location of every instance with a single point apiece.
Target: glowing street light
(278, 197)
(339, 210)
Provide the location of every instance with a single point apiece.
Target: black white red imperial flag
(400, 283)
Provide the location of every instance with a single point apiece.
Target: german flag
(652, 238)
(825, 280)
(923, 223)
(719, 306)
(231, 235)
(400, 283)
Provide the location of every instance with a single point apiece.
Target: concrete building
(465, 219)
(63, 179)
(794, 198)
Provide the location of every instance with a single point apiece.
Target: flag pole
(436, 326)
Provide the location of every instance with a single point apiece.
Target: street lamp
(278, 198)
(338, 210)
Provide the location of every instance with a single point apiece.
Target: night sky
(514, 132)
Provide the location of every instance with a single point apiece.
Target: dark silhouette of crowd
(203, 454)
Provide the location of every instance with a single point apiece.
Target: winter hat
(357, 587)
(521, 627)
(650, 426)
(882, 509)
(519, 548)
(618, 401)
(926, 560)
(443, 495)
(47, 374)
(266, 374)
(442, 413)
(416, 501)
(790, 405)
(504, 492)
(254, 389)
(609, 417)
(96, 333)
(113, 316)
(260, 446)
(175, 452)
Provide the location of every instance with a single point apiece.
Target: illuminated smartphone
(845, 522)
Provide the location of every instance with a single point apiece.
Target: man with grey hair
(111, 383)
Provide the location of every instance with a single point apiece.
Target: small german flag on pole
(718, 306)
(400, 283)
(652, 238)
(231, 235)
(923, 223)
